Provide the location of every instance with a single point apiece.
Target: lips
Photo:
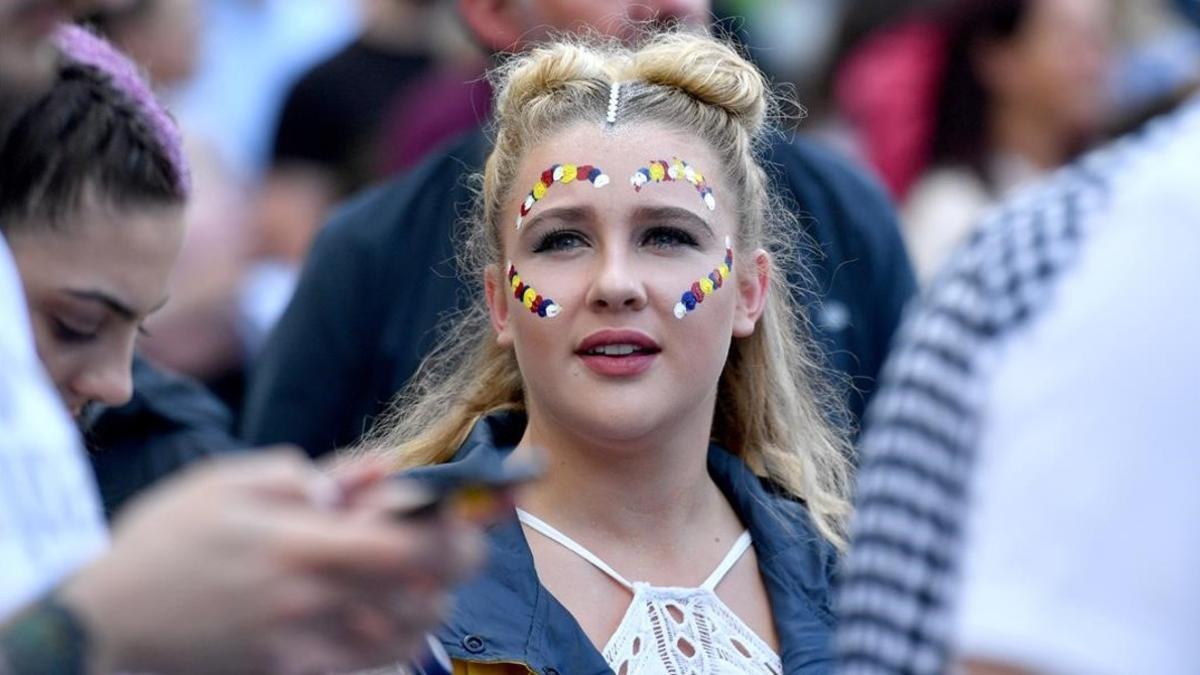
(618, 353)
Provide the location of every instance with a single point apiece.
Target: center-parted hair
(774, 405)
(97, 131)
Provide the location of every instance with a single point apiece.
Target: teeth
(614, 350)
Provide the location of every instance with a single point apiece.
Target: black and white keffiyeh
(918, 448)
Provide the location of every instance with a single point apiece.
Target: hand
(264, 564)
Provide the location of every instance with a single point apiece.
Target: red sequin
(698, 292)
(548, 177)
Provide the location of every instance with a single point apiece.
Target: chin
(618, 422)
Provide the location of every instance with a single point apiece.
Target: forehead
(620, 152)
(125, 253)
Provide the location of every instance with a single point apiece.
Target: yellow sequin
(706, 285)
(570, 172)
(657, 172)
(529, 298)
(539, 190)
(516, 281)
(723, 270)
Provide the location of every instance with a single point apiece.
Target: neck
(649, 491)
(1030, 136)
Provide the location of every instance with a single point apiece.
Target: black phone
(475, 492)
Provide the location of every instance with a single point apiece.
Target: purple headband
(83, 47)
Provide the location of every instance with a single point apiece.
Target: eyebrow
(672, 213)
(569, 214)
(121, 309)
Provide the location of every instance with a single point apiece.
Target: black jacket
(170, 423)
(382, 272)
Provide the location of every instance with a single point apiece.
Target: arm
(276, 567)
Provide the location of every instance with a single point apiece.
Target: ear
(497, 299)
(752, 288)
(496, 24)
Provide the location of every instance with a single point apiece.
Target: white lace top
(677, 631)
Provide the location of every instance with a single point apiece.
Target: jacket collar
(505, 615)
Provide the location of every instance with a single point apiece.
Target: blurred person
(326, 144)
(1002, 92)
(690, 514)
(1026, 500)
(251, 51)
(259, 549)
(366, 309)
(199, 333)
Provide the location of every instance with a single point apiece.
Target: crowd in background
(305, 121)
(291, 107)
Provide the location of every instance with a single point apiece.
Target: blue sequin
(688, 300)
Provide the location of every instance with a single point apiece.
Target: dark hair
(83, 134)
(960, 128)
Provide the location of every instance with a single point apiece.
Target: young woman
(631, 325)
(92, 191)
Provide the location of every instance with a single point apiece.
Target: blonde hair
(774, 403)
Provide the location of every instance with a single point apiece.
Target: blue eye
(559, 240)
(668, 237)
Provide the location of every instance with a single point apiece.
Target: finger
(354, 474)
(338, 543)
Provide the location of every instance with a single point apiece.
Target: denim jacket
(505, 621)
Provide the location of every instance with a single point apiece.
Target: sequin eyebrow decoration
(526, 295)
(706, 285)
(560, 173)
(677, 169)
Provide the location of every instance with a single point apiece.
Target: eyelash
(660, 237)
(555, 240)
(664, 236)
(65, 333)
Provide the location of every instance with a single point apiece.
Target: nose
(616, 285)
(108, 380)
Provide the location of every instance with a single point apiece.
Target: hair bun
(549, 71)
(709, 71)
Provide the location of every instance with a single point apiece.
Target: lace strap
(735, 554)
(549, 530)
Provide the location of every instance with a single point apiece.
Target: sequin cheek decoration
(530, 298)
(706, 285)
(560, 173)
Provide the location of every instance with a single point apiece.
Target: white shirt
(1083, 550)
(51, 522)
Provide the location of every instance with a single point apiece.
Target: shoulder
(844, 209)
(796, 560)
(821, 176)
(426, 201)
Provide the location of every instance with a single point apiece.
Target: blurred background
(291, 106)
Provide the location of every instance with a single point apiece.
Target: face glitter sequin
(526, 295)
(614, 99)
(560, 173)
(706, 285)
(677, 169)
